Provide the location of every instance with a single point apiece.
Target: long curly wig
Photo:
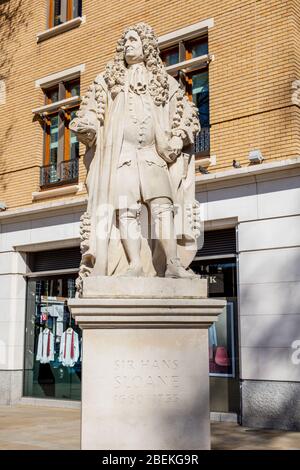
(115, 71)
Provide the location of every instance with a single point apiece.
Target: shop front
(53, 346)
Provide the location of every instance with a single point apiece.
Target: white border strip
(188, 65)
(57, 105)
(61, 28)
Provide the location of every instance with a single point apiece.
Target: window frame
(66, 8)
(64, 133)
(190, 67)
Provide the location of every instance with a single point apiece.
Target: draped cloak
(102, 250)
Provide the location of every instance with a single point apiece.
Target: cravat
(137, 79)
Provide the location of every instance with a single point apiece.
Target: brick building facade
(245, 74)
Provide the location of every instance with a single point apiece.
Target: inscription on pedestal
(146, 380)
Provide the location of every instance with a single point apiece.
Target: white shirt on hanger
(45, 349)
(69, 348)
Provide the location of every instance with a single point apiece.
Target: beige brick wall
(257, 56)
(294, 26)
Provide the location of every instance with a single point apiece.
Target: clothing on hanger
(80, 357)
(43, 317)
(45, 349)
(69, 348)
(46, 309)
(212, 336)
(58, 311)
(59, 328)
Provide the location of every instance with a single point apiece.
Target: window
(198, 92)
(61, 11)
(61, 147)
(51, 373)
(181, 62)
(170, 56)
(53, 340)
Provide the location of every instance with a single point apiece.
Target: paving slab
(25, 427)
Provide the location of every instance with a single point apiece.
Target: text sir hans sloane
(134, 374)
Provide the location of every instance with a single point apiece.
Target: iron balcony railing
(64, 172)
(202, 142)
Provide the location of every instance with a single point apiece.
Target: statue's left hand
(82, 126)
(84, 129)
(176, 145)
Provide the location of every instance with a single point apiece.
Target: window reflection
(57, 12)
(53, 340)
(200, 96)
(74, 144)
(170, 56)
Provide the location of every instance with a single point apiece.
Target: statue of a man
(138, 128)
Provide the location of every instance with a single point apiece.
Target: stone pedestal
(145, 382)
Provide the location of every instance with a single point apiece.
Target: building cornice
(238, 175)
(45, 209)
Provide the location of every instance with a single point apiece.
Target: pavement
(25, 427)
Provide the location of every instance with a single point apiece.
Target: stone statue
(138, 127)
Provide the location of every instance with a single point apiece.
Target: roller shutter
(52, 260)
(219, 242)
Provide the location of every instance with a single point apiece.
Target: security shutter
(218, 242)
(53, 260)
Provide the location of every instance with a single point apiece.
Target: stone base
(271, 405)
(144, 287)
(145, 382)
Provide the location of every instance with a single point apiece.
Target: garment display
(44, 317)
(59, 329)
(46, 309)
(45, 350)
(212, 334)
(212, 340)
(69, 348)
(58, 311)
(80, 359)
(221, 357)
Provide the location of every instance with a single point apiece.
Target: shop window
(195, 81)
(61, 147)
(53, 346)
(61, 11)
(221, 279)
(216, 261)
